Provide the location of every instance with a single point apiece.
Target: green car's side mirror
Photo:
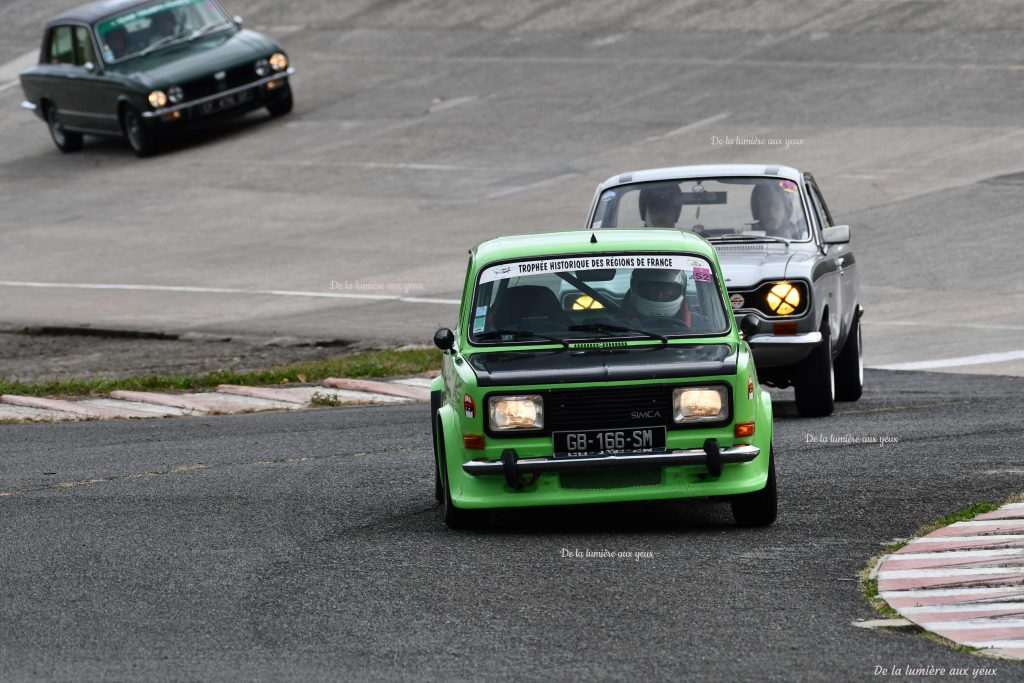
(750, 325)
(444, 339)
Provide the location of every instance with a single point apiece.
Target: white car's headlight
(513, 413)
(700, 404)
(278, 61)
(157, 99)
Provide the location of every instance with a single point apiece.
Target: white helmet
(657, 292)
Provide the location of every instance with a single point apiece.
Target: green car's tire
(457, 518)
(281, 106)
(850, 366)
(65, 141)
(815, 383)
(435, 405)
(143, 141)
(759, 508)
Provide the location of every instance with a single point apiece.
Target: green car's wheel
(281, 106)
(457, 518)
(759, 508)
(850, 366)
(65, 140)
(143, 141)
(815, 383)
(435, 405)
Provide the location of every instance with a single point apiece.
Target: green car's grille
(611, 408)
(610, 479)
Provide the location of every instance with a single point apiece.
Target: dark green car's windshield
(615, 296)
(152, 27)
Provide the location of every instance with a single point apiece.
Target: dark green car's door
(95, 93)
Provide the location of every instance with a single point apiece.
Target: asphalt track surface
(309, 546)
(422, 128)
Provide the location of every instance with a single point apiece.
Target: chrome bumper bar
(805, 339)
(163, 111)
(710, 455)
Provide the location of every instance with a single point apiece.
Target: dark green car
(145, 69)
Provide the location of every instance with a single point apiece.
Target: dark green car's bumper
(221, 105)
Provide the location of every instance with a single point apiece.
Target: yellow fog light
(700, 404)
(157, 99)
(511, 413)
(278, 61)
(584, 302)
(783, 298)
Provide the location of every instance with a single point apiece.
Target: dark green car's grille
(208, 85)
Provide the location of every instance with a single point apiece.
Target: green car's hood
(636, 363)
(181, 63)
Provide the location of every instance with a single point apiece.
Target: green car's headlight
(515, 413)
(157, 99)
(278, 61)
(700, 404)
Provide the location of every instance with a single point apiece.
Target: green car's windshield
(149, 28)
(612, 296)
(766, 209)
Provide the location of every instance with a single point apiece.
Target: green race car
(598, 368)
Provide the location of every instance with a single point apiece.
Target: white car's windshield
(715, 208)
(149, 28)
(619, 296)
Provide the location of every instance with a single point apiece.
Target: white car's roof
(701, 171)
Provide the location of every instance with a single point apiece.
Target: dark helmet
(662, 196)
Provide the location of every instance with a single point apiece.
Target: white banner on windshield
(577, 263)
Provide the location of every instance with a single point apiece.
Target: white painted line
(981, 359)
(7, 86)
(227, 290)
(986, 522)
(965, 326)
(980, 554)
(951, 573)
(445, 105)
(883, 623)
(9, 70)
(1013, 591)
(516, 189)
(156, 410)
(690, 126)
(970, 624)
(959, 539)
(956, 609)
(1012, 506)
(414, 381)
(995, 644)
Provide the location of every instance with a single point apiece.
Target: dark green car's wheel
(814, 381)
(66, 141)
(850, 366)
(457, 518)
(281, 106)
(759, 508)
(143, 141)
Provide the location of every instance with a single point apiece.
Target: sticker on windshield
(787, 185)
(480, 319)
(702, 275)
(507, 271)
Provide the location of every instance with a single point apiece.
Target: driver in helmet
(660, 205)
(657, 293)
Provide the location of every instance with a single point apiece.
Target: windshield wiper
(604, 327)
(209, 28)
(748, 238)
(166, 40)
(521, 333)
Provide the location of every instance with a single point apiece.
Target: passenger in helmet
(660, 205)
(657, 293)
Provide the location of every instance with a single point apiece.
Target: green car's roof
(579, 242)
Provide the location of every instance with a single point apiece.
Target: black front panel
(567, 410)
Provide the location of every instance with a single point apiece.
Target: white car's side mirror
(837, 234)
(238, 21)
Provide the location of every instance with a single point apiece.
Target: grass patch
(385, 363)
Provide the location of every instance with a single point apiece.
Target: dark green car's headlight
(175, 94)
(278, 61)
(157, 99)
(262, 67)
